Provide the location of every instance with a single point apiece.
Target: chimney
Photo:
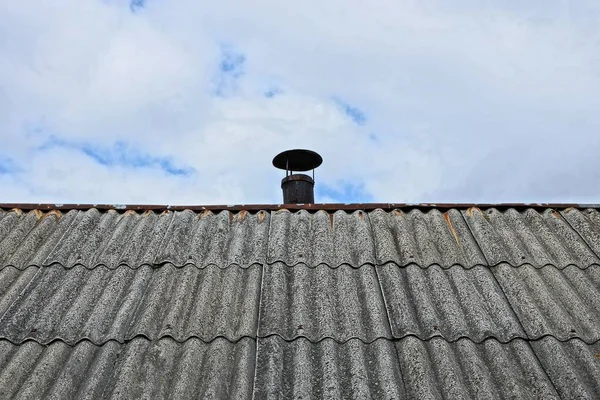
(298, 188)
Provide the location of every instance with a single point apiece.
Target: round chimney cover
(297, 160)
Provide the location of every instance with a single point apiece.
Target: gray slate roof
(412, 303)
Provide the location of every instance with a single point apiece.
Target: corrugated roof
(534, 237)
(437, 369)
(301, 369)
(91, 238)
(139, 369)
(571, 365)
(332, 239)
(340, 303)
(102, 304)
(451, 303)
(421, 302)
(563, 304)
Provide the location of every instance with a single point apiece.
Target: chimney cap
(297, 160)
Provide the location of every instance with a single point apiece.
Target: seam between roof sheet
(260, 297)
(542, 367)
(296, 339)
(387, 312)
(527, 340)
(256, 338)
(490, 268)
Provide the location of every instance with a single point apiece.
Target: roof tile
(92, 239)
(103, 304)
(573, 366)
(321, 238)
(436, 369)
(424, 238)
(452, 303)
(327, 370)
(223, 239)
(548, 301)
(587, 224)
(528, 237)
(138, 369)
(316, 303)
(110, 239)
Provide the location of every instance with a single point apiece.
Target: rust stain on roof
(205, 214)
(261, 216)
(471, 209)
(555, 214)
(54, 213)
(449, 223)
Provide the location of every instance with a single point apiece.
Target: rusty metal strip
(272, 207)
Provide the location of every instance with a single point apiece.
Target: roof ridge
(271, 207)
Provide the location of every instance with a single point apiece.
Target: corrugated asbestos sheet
(102, 304)
(439, 304)
(111, 239)
(139, 369)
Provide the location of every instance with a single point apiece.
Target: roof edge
(272, 207)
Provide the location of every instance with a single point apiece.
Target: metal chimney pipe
(298, 188)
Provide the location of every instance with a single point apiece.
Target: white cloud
(469, 102)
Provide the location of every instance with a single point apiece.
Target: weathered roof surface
(138, 369)
(407, 302)
(103, 304)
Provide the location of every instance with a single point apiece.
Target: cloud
(181, 102)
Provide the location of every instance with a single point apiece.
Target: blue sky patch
(272, 92)
(121, 154)
(231, 69)
(7, 165)
(346, 192)
(136, 5)
(357, 115)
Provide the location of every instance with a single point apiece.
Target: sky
(187, 102)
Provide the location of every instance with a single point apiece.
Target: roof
(423, 301)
